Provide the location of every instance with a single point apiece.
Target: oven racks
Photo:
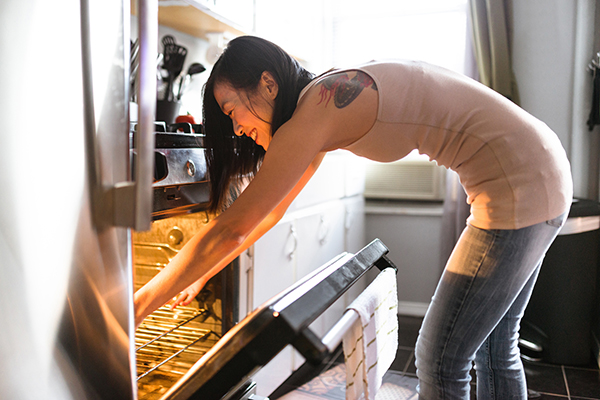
(168, 343)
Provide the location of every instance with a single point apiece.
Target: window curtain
(491, 45)
(488, 61)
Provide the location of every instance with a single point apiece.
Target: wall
(552, 44)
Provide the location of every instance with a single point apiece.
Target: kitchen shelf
(194, 18)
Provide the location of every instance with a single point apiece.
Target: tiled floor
(544, 381)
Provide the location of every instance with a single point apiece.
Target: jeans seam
(443, 353)
(491, 379)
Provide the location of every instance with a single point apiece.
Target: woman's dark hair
(231, 159)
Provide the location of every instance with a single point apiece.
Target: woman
(512, 166)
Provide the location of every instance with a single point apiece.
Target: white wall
(552, 44)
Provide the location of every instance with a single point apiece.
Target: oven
(169, 342)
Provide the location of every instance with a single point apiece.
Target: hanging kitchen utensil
(133, 67)
(174, 57)
(168, 39)
(193, 69)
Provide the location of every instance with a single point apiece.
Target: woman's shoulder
(341, 103)
(372, 73)
(342, 86)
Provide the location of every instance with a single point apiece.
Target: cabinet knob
(190, 168)
(323, 231)
(292, 242)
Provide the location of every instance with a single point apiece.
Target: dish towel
(370, 345)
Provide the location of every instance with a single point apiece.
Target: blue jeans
(475, 313)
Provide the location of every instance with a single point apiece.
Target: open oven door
(225, 370)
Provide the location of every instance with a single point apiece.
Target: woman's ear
(269, 84)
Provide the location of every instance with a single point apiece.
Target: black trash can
(557, 324)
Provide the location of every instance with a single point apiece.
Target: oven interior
(169, 342)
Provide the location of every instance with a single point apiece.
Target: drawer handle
(323, 231)
(293, 241)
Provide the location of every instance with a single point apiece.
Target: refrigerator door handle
(131, 202)
(144, 168)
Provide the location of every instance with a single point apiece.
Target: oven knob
(190, 168)
(175, 236)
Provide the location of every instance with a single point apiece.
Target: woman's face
(251, 114)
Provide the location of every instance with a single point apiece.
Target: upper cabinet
(199, 17)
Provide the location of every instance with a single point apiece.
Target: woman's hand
(184, 298)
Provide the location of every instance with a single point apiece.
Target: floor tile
(583, 382)
(545, 378)
(532, 395)
(331, 385)
(397, 386)
(545, 381)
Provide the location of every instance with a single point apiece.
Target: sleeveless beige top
(511, 165)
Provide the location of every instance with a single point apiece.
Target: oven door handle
(132, 201)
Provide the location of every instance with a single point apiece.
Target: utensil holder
(167, 110)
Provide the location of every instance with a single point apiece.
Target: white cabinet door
(274, 262)
(273, 272)
(321, 239)
(354, 223)
(272, 375)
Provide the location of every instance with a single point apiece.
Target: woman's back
(513, 167)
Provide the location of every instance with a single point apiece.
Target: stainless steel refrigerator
(67, 201)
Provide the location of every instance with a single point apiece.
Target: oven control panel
(180, 178)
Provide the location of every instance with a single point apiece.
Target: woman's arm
(294, 153)
(172, 279)
(270, 221)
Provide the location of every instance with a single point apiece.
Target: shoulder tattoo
(342, 89)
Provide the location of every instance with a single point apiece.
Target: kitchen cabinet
(275, 254)
(411, 232)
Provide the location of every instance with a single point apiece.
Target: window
(428, 30)
(342, 33)
(322, 32)
(434, 31)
